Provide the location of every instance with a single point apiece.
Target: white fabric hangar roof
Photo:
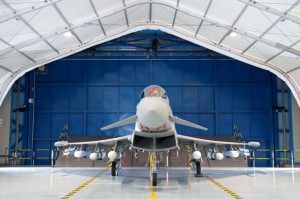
(263, 33)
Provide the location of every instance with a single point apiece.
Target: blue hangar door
(90, 90)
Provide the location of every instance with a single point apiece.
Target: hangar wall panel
(215, 93)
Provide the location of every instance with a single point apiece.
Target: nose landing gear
(153, 173)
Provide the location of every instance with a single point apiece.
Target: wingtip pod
(61, 143)
(254, 144)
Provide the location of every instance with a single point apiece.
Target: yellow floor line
(234, 195)
(152, 192)
(77, 189)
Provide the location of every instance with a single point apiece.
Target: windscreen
(154, 91)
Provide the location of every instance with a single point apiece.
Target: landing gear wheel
(113, 168)
(154, 179)
(198, 169)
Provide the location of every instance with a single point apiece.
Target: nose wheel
(154, 179)
(153, 174)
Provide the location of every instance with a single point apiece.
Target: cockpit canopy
(154, 91)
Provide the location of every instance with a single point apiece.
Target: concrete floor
(45, 182)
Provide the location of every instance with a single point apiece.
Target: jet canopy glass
(154, 91)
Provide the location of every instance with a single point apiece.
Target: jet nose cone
(153, 112)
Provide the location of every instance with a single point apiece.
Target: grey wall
(296, 127)
(5, 127)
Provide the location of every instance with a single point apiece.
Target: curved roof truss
(265, 34)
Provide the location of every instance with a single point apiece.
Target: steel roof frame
(165, 26)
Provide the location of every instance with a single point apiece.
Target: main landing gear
(113, 168)
(115, 161)
(198, 169)
(195, 158)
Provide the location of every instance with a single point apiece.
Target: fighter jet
(155, 132)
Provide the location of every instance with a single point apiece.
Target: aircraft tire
(198, 167)
(113, 168)
(154, 179)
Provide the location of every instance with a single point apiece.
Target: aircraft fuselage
(154, 130)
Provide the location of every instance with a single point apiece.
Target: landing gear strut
(153, 173)
(198, 169)
(113, 168)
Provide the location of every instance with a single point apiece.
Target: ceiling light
(232, 34)
(68, 34)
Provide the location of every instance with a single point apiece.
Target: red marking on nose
(164, 126)
(144, 127)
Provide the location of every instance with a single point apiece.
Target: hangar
(86, 62)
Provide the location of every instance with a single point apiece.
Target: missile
(97, 156)
(81, 153)
(112, 155)
(244, 152)
(196, 155)
(69, 151)
(217, 156)
(231, 153)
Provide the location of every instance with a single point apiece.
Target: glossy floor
(134, 183)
